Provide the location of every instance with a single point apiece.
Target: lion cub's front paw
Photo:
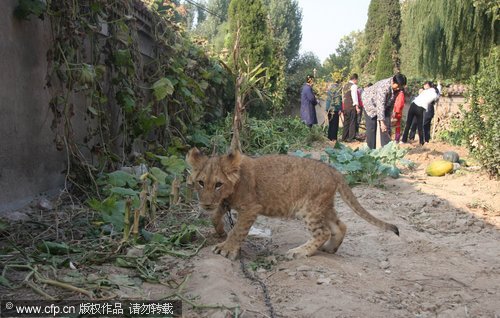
(222, 249)
(298, 252)
(219, 229)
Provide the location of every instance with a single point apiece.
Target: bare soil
(445, 263)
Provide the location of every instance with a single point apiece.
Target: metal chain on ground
(265, 292)
(246, 273)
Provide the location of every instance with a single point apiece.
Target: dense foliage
(98, 74)
(385, 67)
(269, 28)
(481, 123)
(447, 38)
(248, 18)
(340, 61)
(285, 19)
(278, 135)
(382, 15)
(212, 25)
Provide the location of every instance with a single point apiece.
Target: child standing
(397, 113)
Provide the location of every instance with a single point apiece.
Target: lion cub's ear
(195, 158)
(230, 164)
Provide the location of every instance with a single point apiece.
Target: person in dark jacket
(333, 108)
(350, 102)
(308, 102)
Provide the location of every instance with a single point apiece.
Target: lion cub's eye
(201, 183)
(218, 185)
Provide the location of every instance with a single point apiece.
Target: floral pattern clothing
(378, 99)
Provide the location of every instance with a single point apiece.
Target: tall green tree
(385, 66)
(360, 54)
(213, 25)
(382, 15)
(249, 19)
(447, 38)
(285, 20)
(340, 61)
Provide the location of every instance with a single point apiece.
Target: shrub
(481, 121)
(270, 136)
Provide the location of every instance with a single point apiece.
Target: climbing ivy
(125, 100)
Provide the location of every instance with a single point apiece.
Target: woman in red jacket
(397, 114)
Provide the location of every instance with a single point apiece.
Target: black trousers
(418, 113)
(349, 124)
(333, 125)
(359, 117)
(371, 131)
(428, 116)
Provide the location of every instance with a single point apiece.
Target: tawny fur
(274, 186)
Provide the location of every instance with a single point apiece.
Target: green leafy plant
(134, 195)
(455, 134)
(267, 136)
(481, 123)
(129, 103)
(363, 165)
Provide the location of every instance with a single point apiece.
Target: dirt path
(444, 264)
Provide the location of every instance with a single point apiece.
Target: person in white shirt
(417, 109)
(428, 114)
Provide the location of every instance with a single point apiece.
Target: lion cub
(274, 186)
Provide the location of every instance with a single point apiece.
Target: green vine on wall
(111, 102)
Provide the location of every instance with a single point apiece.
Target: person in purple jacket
(308, 102)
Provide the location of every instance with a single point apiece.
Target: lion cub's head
(214, 177)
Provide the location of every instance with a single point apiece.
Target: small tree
(384, 58)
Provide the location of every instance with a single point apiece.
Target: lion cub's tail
(348, 196)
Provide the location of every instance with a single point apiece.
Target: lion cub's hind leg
(317, 224)
(338, 229)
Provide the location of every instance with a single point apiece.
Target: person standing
(378, 102)
(351, 108)
(417, 108)
(359, 114)
(308, 102)
(397, 114)
(428, 115)
(333, 108)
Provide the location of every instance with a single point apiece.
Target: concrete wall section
(29, 162)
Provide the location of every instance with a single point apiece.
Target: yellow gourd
(439, 168)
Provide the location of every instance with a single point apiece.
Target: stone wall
(29, 162)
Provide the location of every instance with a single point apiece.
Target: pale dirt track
(446, 263)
